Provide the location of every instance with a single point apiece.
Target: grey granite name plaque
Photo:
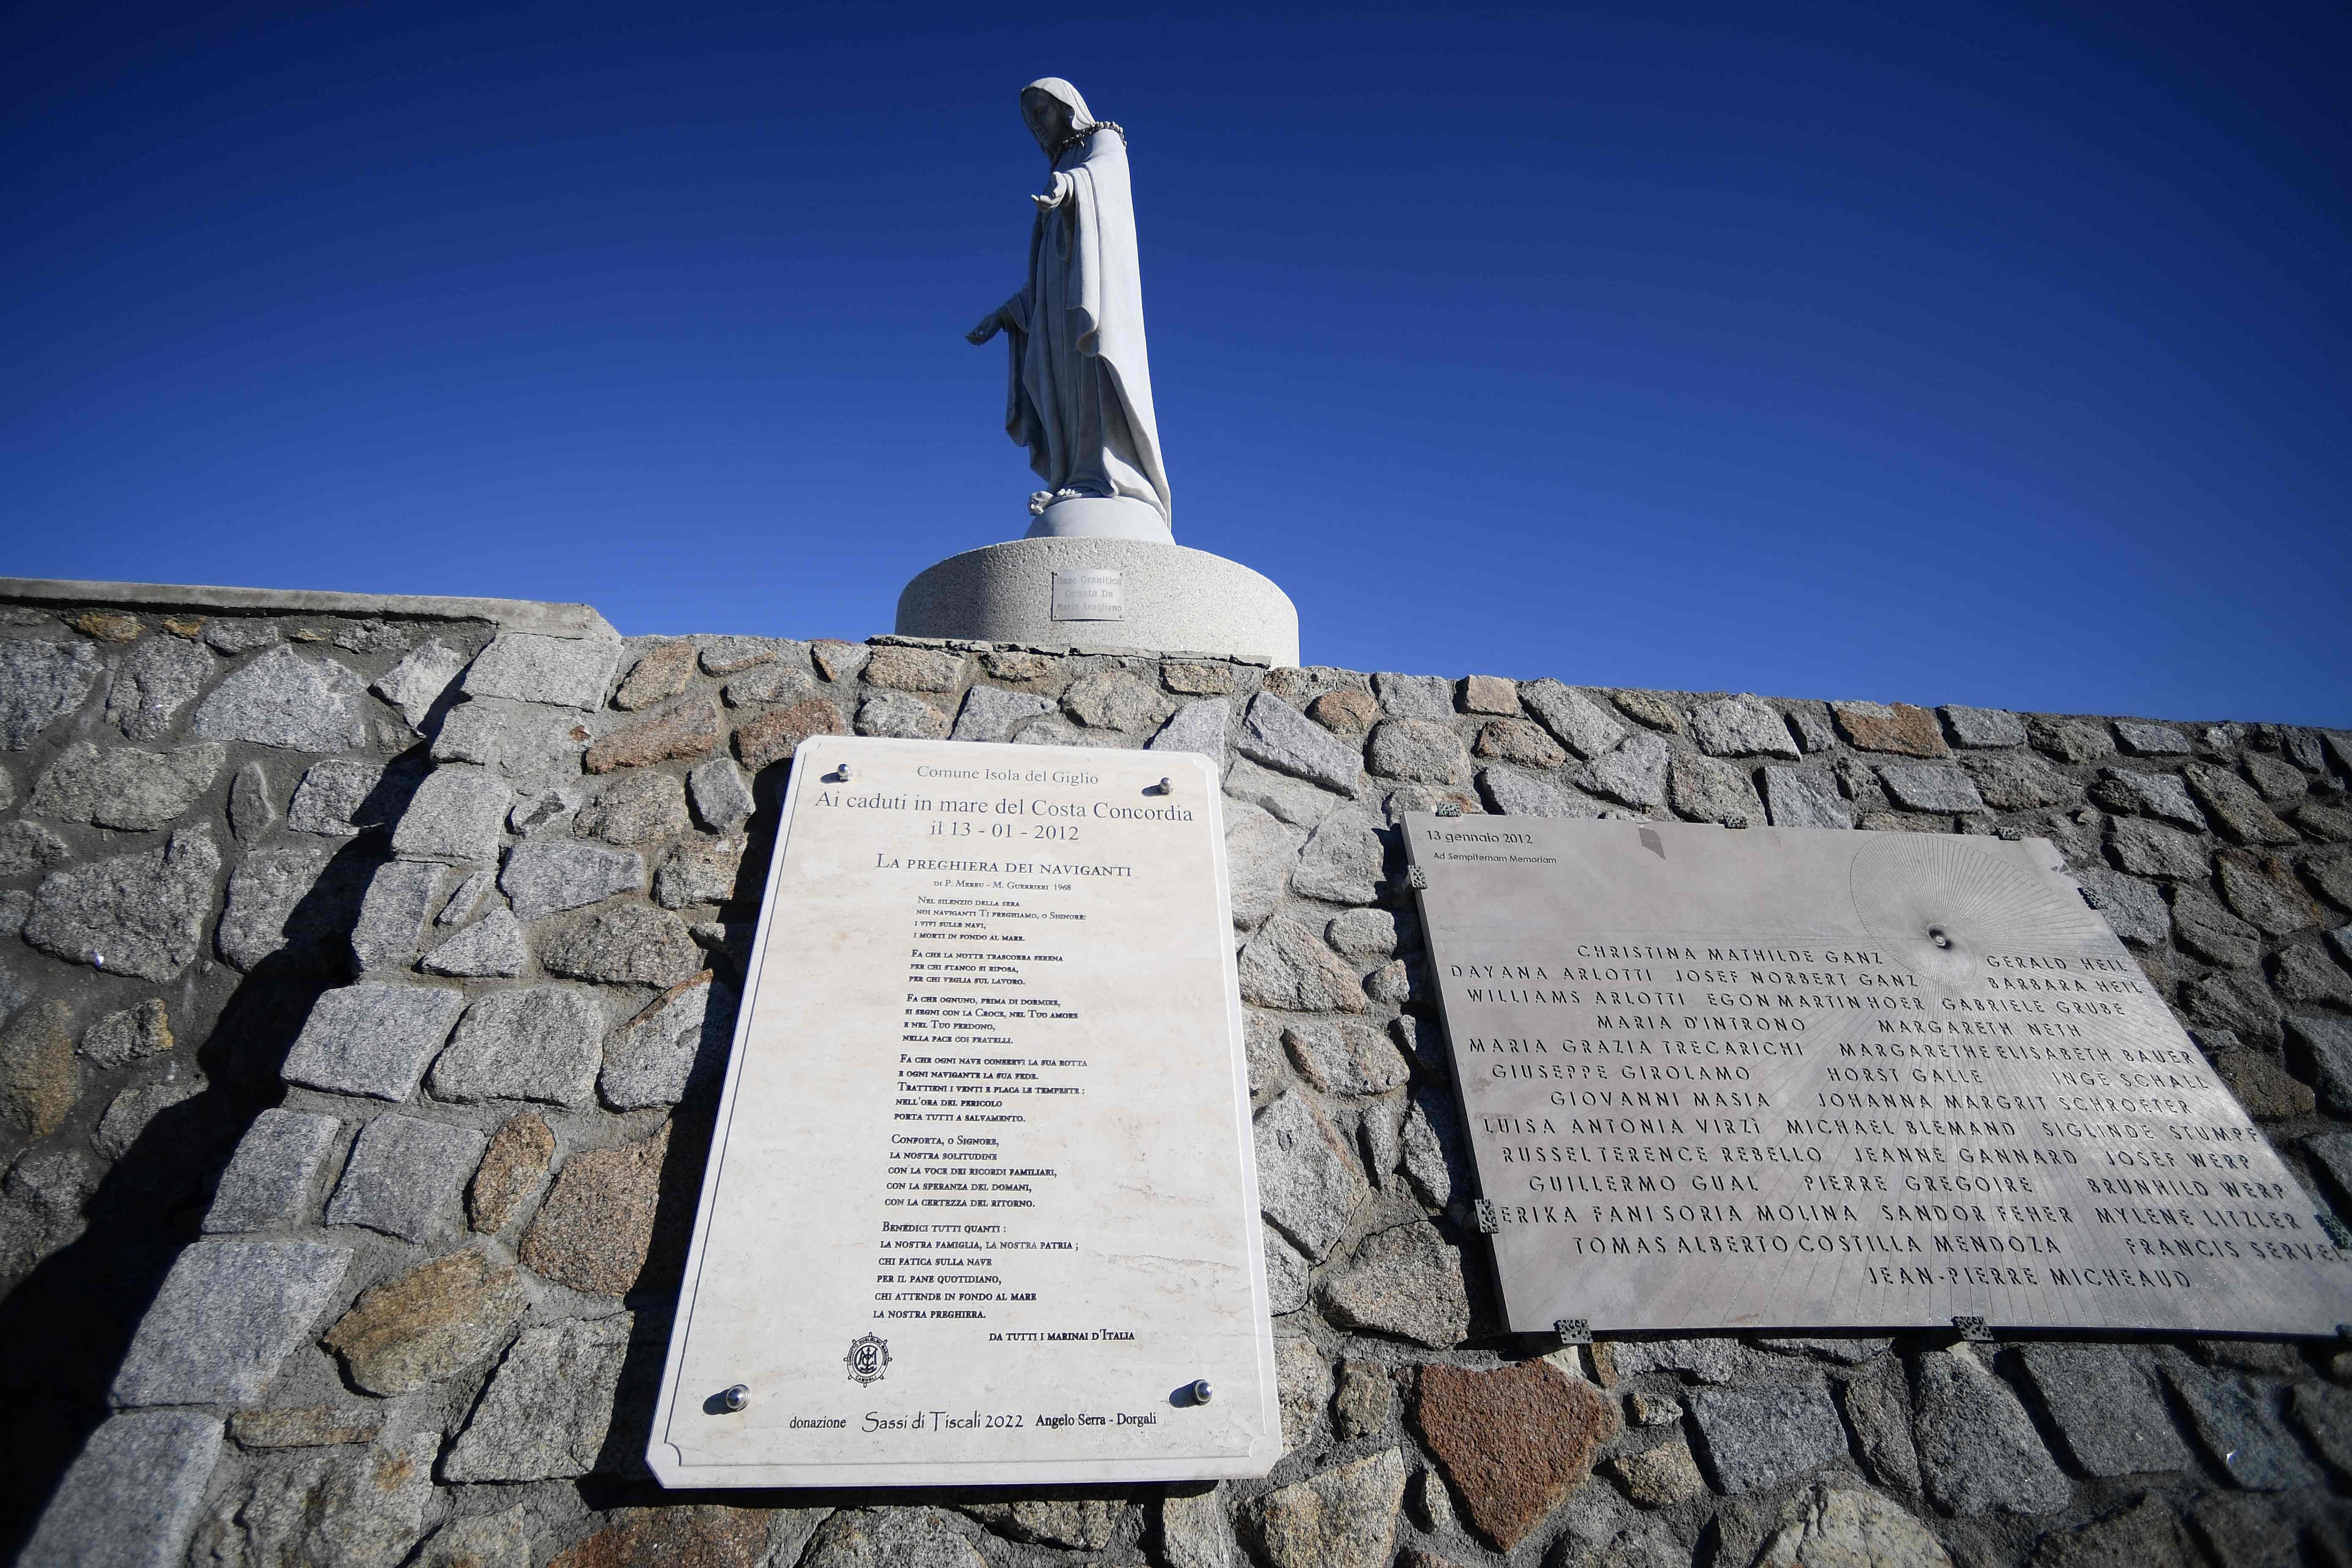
(1786, 1078)
(1093, 593)
(981, 1207)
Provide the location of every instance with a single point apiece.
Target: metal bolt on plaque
(1201, 1392)
(1973, 1330)
(735, 1398)
(1416, 878)
(1574, 1331)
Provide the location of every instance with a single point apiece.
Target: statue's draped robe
(1080, 397)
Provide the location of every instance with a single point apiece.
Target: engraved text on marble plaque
(981, 1207)
(1798, 1078)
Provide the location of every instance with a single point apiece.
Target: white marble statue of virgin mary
(1080, 394)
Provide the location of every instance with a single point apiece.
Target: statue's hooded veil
(1068, 97)
(1080, 398)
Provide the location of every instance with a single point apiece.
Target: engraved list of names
(981, 1206)
(1797, 1078)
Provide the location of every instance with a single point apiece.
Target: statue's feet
(1040, 499)
(1073, 514)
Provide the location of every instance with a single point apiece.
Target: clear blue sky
(1945, 354)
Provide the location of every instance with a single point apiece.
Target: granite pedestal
(1157, 595)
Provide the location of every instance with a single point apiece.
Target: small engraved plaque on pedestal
(1089, 595)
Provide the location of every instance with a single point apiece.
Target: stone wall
(366, 963)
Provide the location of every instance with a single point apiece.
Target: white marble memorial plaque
(1791, 1077)
(981, 1206)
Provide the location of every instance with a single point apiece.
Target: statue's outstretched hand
(1048, 200)
(987, 328)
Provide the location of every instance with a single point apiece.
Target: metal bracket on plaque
(1482, 1210)
(2090, 898)
(1737, 820)
(1449, 808)
(1574, 1331)
(1415, 878)
(1973, 1330)
(2334, 1227)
